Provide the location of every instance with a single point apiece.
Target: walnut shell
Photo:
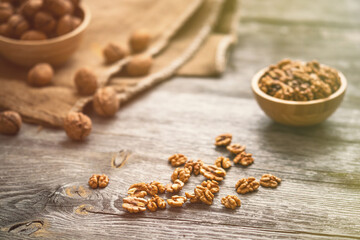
(139, 65)
(40, 75)
(67, 24)
(114, 52)
(33, 35)
(44, 22)
(139, 40)
(59, 8)
(30, 8)
(77, 126)
(10, 122)
(18, 25)
(5, 30)
(85, 81)
(6, 11)
(105, 102)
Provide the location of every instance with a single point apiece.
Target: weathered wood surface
(43, 175)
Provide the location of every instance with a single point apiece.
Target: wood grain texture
(43, 180)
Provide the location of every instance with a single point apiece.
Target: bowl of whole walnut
(297, 93)
(34, 31)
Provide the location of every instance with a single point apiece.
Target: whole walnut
(85, 81)
(77, 126)
(10, 122)
(5, 30)
(105, 102)
(18, 25)
(40, 75)
(114, 52)
(30, 8)
(139, 40)
(44, 22)
(6, 11)
(139, 65)
(75, 3)
(59, 8)
(33, 35)
(67, 24)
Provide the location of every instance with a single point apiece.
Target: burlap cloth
(190, 37)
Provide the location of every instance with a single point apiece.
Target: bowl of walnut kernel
(297, 93)
(34, 31)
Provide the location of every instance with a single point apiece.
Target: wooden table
(43, 180)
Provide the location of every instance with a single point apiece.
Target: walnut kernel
(177, 160)
(175, 187)
(10, 122)
(213, 172)
(246, 185)
(139, 40)
(204, 194)
(231, 201)
(236, 148)
(223, 162)
(156, 202)
(243, 158)
(176, 201)
(40, 75)
(85, 81)
(269, 180)
(223, 139)
(156, 188)
(97, 180)
(183, 174)
(77, 126)
(139, 65)
(134, 204)
(114, 52)
(105, 102)
(212, 185)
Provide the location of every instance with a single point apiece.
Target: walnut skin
(10, 122)
(6, 11)
(139, 40)
(44, 22)
(105, 102)
(59, 8)
(231, 201)
(77, 126)
(40, 75)
(18, 25)
(139, 65)
(114, 52)
(85, 81)
(32, 35)
(67, 24)
(223, 139)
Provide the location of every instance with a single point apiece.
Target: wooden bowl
(54, 51)
(298, 113)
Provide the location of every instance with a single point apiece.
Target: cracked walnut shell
(204, 194)
(177, 160)
(156, 202)
(183, 174)
(85, 81)
(213, 172)
(212, 185)
(243, 158)
(223, 162)
(231, 201)
(176, 201)
(134, 204)
(77, 126)
(175, 187)
(246, 185)
(105, 102)
(223, 139)
(236, 148)
(269, 180)
(10, 122)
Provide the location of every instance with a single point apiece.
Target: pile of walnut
(38, 19)
(297, 81)
(204, 193)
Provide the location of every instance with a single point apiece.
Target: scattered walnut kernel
(139, 65)
(137, 187)
(246, 185)
(156, 188)
(139, 40)
(212, 185)
(236, 148)
(67, 24)
(40, 75)
(114, 52)
(59, 8)
(33, 35)
(213, 172)
(97, 180)
(192, 197)
(204, 194)
(77, 126)
(18, 25)
(156, 202)
(181, 173)
(85, 81)
(223, 139)
(175, 187)
(231, 201)
(44, 22)
(244, 159)
(134, 204)
(176, 201)
(177, 160)
(223, 162)
(136, 193)
(10, 122)
(189, 165)
(105, 102)
(268, 180)
(194, 167)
